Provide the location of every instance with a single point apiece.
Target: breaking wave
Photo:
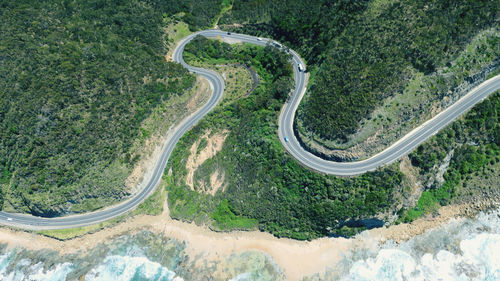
(24, 269)
(464, 249)
(130, 268)
(460, 250)
(119, 268)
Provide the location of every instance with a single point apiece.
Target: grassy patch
(225, 219)
(201, 145)
(70, 233)
(153, 205)
(494, 73)
(237, 79)
(176, 30)
(426, 204)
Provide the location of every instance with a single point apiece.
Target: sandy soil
(296, 258)
(412, 185)
(150, 151)
(142, 171)
(201, 93)
(216, 181)
(195, 159)
(168, 57)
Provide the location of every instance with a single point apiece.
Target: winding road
(286, 135)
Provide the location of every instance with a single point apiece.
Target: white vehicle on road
(301, 68)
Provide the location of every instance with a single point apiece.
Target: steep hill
(361, 52)
(77, 79)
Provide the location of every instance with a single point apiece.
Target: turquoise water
(24, 269)
(144, 256)
(130, 268)
(112, 268)
(127, 258)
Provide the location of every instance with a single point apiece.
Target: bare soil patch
(213, 145)
(412, 184)
(216, 181)
(162, 124)
(200, 94)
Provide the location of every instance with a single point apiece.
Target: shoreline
(297, 259)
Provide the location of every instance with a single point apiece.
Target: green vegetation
(201, 145)
(494, 73)
(238, 81)
(479, 127)
(176, 30)
(78, 80)
(264, 184)
(422, 96)
(225, 219)
(306, 26)
(361, 52)
(427, 203)
(82, 81)
(198, 14)
(70, 233)
(366, 66)
(365, 50)
(475, 140)
(153, 205)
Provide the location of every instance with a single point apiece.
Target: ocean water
(144, 256)
(112, 268)
(460, 250)
(24, 269)
(130, 268)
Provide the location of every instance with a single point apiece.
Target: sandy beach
(297, 259)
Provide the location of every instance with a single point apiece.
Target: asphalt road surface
(389, 155)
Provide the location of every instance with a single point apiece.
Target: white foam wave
(59, 272)
(23, 270)
(242, 277)
(119, 268)
(465, 250)
(129, 268)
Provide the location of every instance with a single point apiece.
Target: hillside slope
(77, 81)
(362, 52)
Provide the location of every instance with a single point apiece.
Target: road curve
(394, 152)
(389, 155)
